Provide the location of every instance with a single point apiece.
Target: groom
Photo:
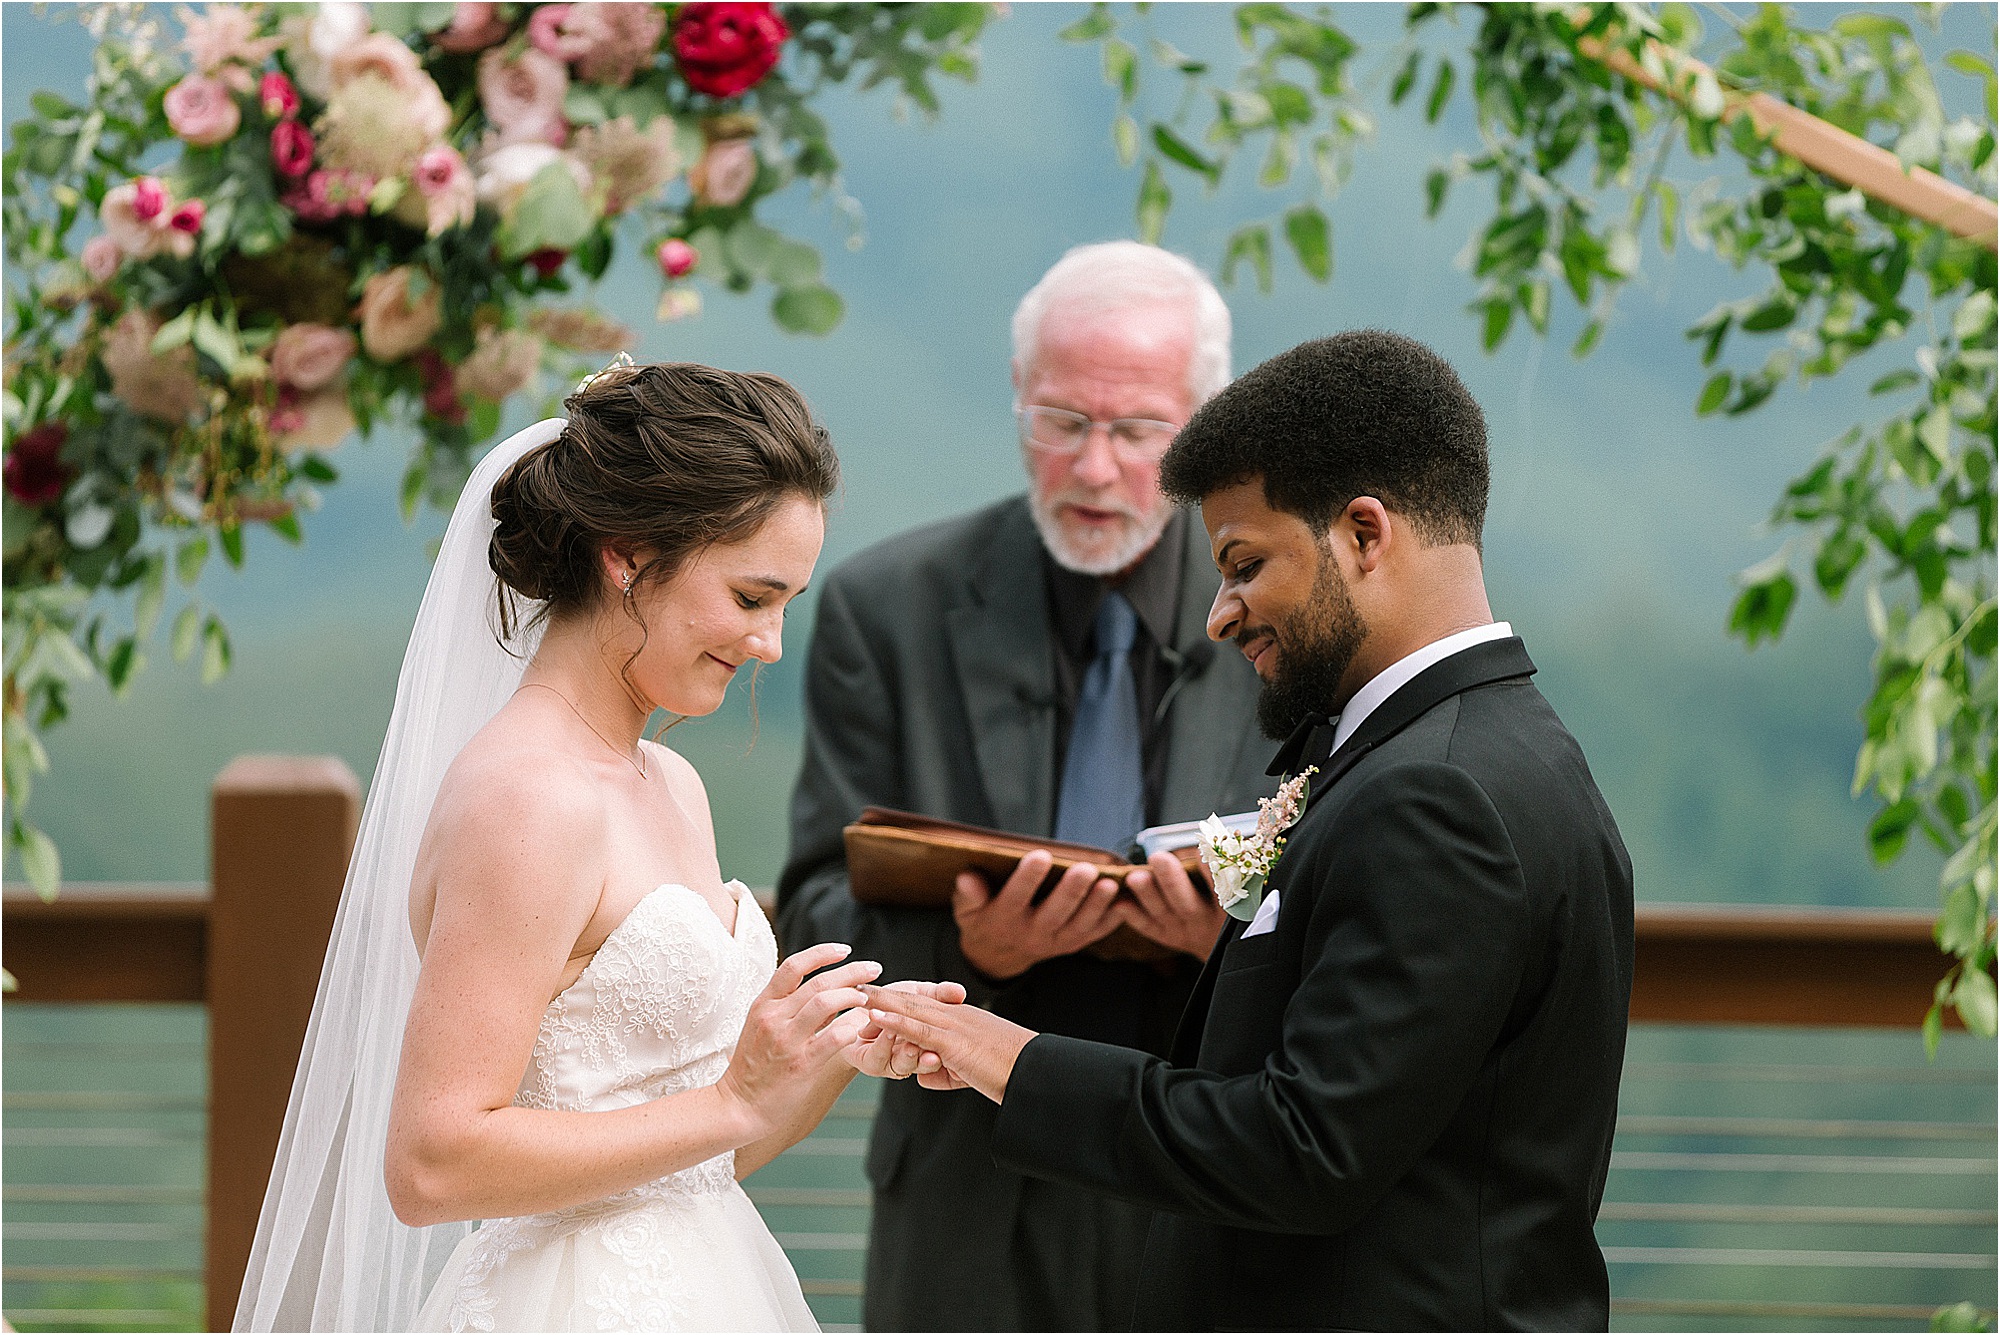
(1390, 1104)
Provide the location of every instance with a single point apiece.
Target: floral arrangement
(296, 221)
(1239, 864)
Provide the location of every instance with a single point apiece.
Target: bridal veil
(330, 1254)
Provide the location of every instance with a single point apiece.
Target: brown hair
(670, 459)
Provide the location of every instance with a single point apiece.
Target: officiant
(1039, 665)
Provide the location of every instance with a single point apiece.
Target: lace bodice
(656, 1011)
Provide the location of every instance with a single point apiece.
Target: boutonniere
(1239, 865)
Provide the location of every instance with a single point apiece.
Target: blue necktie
(1103, 798)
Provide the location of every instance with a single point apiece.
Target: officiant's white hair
(1112, 275)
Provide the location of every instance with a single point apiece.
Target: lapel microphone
(1187, 665)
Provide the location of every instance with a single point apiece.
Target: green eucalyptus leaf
(1978, 1005)
(191, 557)
(187, 632)
(1177, 150)
(812, 308)
(1154, 201)
(1125, 139)
(1440, 91)
(214, 651)
(39, 859)
(152, 596)
(1312, 241)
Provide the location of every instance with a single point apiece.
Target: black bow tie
(1298, 749)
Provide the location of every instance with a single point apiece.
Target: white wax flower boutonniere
(1240, 864)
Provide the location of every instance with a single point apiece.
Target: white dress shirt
(1393, 678)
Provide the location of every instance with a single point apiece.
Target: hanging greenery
(1582, 112)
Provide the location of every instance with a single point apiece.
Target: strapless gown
(657, 1011)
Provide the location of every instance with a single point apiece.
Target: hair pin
(622, 361)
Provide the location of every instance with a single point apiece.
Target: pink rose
(201, 111)
(393, 323)
(138, 218)
(187, 218)
(677, 258)
(524, 97)
(280, 99)
(381, 55)
(101, 258)
(474, 27)
(548, 30)
(291, 148)
(617, 40)
(309, 356)
(166, 387)
(725, 173)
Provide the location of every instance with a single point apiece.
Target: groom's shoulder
(930, 558)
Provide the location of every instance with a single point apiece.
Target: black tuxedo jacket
(1394, 1111)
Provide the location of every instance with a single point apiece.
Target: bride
(542, 1006)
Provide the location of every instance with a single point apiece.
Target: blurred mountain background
(1617, 525)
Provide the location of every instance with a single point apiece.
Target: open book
(905, 860)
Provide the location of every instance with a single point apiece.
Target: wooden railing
(251, 947)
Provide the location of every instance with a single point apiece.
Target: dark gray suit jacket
(931, 687)
(1394, 1110)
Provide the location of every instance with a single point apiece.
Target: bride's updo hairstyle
(664, 460)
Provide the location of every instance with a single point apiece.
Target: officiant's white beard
(1101, 549)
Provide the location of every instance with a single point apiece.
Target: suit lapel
(1203, 757)
(1481, 665)
(1194, 1019)
(1001, 650)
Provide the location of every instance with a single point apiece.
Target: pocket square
(1265, 919)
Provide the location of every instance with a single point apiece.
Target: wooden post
(283, 829)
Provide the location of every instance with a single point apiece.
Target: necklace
(638, 764)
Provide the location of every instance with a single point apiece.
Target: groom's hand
(976, 1047)
(878, 1052)
(1005, 934)
(1166, 905)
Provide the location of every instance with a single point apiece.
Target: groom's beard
(1313, 647)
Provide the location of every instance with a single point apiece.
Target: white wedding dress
(656, 1011)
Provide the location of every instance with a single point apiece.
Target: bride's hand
(879, 1053)
(798, 1023)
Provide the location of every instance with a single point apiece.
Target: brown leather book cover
(906, 860)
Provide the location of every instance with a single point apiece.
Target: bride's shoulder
(500, 786)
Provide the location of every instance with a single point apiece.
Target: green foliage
(1577, 154)
(1290, 100)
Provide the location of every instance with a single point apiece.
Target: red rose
(34, 473)
(546, 260)
(726, 46)
(291, 148)
(187, 218)
(441, 398)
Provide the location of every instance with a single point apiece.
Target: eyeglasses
(1139, 440)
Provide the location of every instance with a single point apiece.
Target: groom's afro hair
(1364, 413)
